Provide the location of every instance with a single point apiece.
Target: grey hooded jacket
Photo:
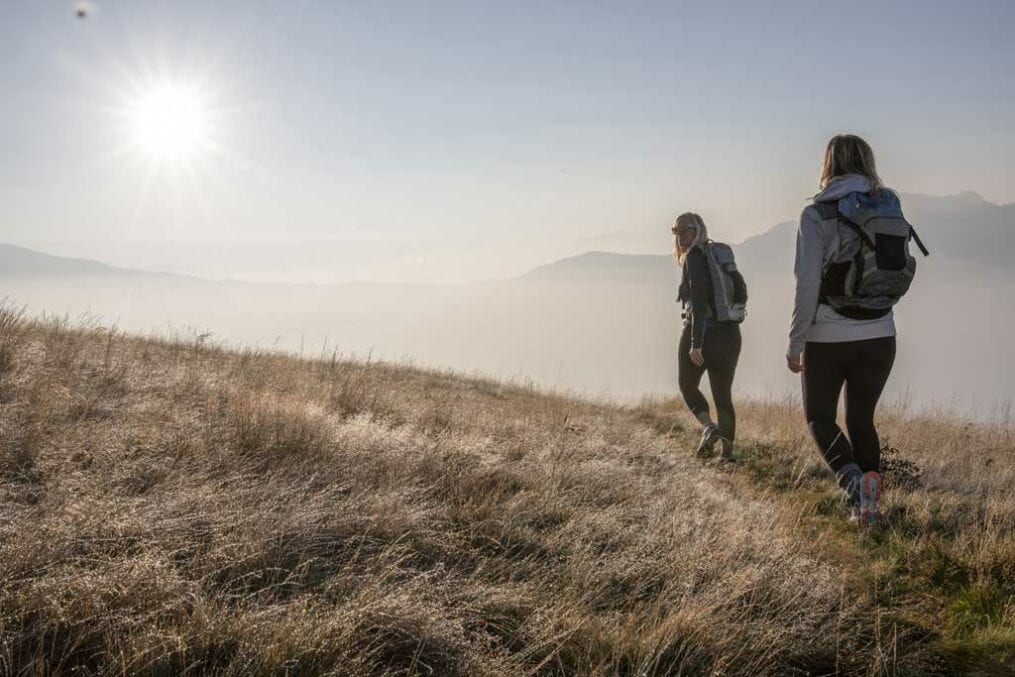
(819, 243)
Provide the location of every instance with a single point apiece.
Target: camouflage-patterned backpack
(877, 269)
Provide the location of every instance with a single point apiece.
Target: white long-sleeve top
(819, 243)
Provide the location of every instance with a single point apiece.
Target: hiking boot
(870, 499)
(709, 436)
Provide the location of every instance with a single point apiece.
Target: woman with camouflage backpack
(852, 266)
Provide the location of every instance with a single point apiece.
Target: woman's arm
(810, 252)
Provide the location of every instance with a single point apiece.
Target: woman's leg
(721, 352)
(865, 380)
(689, 377)
(823, 376)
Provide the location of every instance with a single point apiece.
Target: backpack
(877, 269)
(729, 291)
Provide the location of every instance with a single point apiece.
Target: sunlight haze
(460, 337)
(460, 141)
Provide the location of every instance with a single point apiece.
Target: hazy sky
(450, 141)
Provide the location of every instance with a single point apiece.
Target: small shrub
(24, 442)
(262, 427)
(899, 472)
(975, 608)
(664, 425)
(111, 379)
(436, 418)
(64, 343)
(353, 390)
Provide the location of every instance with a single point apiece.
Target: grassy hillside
(170, 507)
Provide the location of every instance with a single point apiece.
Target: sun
(170, 122)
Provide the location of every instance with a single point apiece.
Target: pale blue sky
(452, 141)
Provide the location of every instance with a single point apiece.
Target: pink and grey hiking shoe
(870, 498)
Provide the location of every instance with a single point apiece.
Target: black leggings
(864, 367)
(721, 350)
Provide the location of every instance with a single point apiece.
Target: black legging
(864, 367)
(721, 350)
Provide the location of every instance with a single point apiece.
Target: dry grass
(12, 331)
(170, 507)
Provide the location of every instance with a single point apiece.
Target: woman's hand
(795, 364)
(697, 357)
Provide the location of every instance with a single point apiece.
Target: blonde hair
(688, 220)
(849, 154)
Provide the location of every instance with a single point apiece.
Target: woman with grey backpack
(713, 294)
(852, 265)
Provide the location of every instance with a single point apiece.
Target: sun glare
(169, 122)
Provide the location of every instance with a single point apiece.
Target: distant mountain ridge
(964, 226)
(16, 261)
(617, 268)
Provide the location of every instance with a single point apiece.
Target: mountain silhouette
(598, 322)
(962, 228)
(598, 266)
(18, 262)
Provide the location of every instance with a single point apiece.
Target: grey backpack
(877, 269)
(728, 287)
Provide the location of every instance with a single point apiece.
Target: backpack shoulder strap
(918, 241)
(681, 283)
(830, 210)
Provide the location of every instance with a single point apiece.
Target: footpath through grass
(939, 575)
